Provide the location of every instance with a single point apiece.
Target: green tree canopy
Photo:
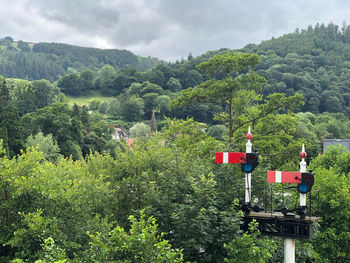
(45, 144)
(234, 83)
(141, 244)
(139, 130)
(132, 109)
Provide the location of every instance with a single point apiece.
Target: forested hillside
(51, 60)
(314, 62)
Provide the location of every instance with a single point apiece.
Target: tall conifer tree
(10, 125)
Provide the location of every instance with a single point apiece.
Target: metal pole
(303, 170)
(289, 243)
(289, 250)
(248, 176)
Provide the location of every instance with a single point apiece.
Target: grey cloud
(120, 23)
(167, 29)
(85, 15)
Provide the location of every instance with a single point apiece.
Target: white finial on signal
(248, 145)
(303, 155)
(303, 148)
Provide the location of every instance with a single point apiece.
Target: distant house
(335, 142)
(119, 134)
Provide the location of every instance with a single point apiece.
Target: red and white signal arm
(228, 157)
(283, 177)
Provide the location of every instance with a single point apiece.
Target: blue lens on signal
(303, 188)
(248, 167)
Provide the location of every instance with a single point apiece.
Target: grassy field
(80, 101)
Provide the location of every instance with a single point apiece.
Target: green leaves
(46, 144)
(250, 247)
(331, 241)
(29, 238)
(141, 244)
(229, 64)
(58, 201)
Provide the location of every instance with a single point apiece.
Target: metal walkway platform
(278, 224)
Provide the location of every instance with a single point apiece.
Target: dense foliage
(79, 210)
(31, 111)
(333, 181)
(79, 204)
(313, 62)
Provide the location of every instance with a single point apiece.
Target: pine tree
(4, 94)
(10, 125)
(12, 130)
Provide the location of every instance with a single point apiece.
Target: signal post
(248, 160)
(283, 224)
(248, 175)
(289, 243)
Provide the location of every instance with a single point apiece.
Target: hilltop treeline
(51, 60)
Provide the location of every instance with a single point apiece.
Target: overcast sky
(166, 29)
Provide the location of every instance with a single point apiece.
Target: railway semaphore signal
(303, 179)
(248, 160)
(274, 223)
